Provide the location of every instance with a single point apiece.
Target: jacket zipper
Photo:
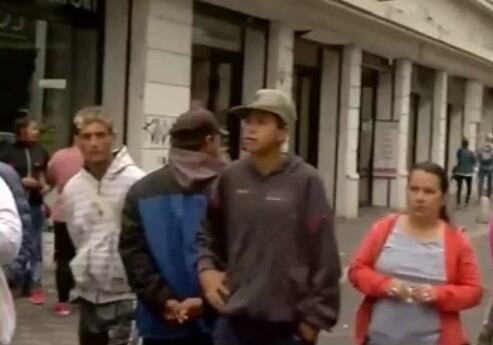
(28, 163)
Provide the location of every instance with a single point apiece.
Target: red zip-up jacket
(461, 291)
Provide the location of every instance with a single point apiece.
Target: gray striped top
(395, 322)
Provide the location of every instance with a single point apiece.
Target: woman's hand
(400, 290)
(424, 293)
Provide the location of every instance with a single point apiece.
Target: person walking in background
(268, 261)
(417, 271)
(17, 269)
(161, 218)
(485, 162)
(30, 160)
(93, 201)
(64, 164)
(464, 171)
(10, 242)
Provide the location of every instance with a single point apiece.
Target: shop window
(50, 62)
(217, 64)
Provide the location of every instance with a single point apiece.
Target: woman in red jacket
(416, 270)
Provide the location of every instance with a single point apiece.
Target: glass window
(50, 62)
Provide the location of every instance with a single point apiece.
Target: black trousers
(105, 324)
(240, 331)
(460, 181)
(64, 253)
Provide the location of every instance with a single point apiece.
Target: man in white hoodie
(93, 202)
(10, 241)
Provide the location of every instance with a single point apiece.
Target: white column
(402, 99)
(280, 65)
(473, 111)
(348, 179)
(115, 62)
(281, 57)
(254, 62)
(327, 142)
(439, 117)
(160, 76)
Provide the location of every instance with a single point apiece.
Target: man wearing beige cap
(268, 261)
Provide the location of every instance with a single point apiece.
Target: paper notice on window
(58, 84)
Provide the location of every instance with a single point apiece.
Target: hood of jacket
(193, 169)
(120, 162)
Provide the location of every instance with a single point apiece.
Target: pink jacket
(64, 164)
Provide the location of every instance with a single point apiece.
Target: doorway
(306, 89)
(217, 86)
(366, 142)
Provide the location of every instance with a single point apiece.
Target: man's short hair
(22, 123)
(91, 115)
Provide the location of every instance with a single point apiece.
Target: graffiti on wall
(157, 130)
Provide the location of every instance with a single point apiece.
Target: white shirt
(10, 225)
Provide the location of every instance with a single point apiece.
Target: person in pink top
(64, 164)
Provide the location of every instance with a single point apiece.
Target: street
(38, 326)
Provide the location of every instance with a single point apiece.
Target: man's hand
(212, 282)
(189, 309)
(424, 293)
(31, 183)
(308, 333)
(171, 310)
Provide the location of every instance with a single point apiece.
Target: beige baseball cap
(273, 101)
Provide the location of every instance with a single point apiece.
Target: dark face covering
(193, 169)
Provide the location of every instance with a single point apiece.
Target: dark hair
(192, 140)
(465, 143)
(438, 171)
(22, 123)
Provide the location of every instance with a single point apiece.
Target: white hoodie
(10, 225)
(93, 212)
(10, 242)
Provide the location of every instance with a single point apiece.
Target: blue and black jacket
(160, 223)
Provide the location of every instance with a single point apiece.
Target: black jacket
(274, 237)
(160, 222)
(28, 160)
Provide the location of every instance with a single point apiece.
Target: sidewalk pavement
(38, 325)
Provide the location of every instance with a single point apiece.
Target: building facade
(379, 85)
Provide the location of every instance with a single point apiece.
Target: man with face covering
(161, 218)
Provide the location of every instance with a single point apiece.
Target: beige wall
(438, 19)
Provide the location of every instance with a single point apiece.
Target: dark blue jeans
(239, 331)
(485, 175)
(38, 220)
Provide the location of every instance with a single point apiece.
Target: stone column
(329, 107)
(439, 117)
(280, 65)
(159, 77)
(347, 178)
(473, 111)
(402, 94)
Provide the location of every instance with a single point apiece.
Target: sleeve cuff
(205, 265)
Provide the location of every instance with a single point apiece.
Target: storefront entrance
(50, 63)
(218, 63)
(368, 116)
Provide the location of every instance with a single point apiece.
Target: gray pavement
(38, 326)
